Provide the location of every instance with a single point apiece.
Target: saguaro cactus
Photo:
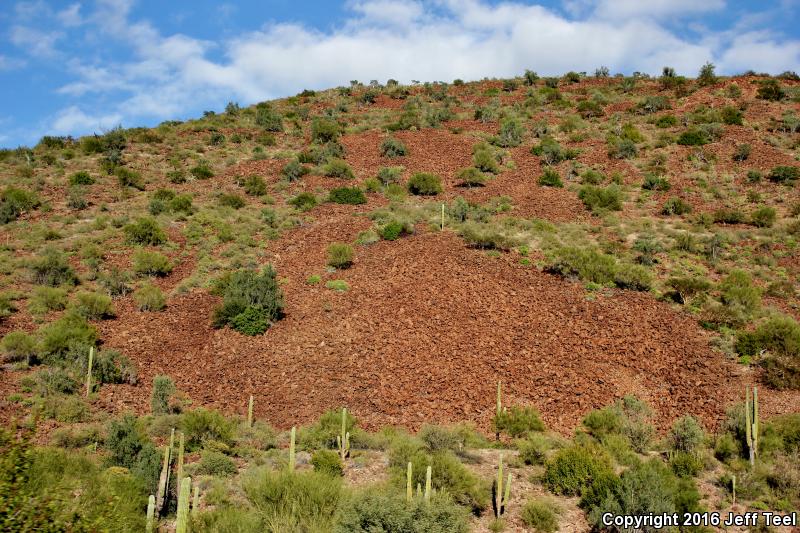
(163, 479)
(151, 514)
(499, 411)
(182, 525)
(250, 412)
(428, 484)
(751, 423)
(196, 500)
(409, 486)
(180, 465)
(89, 372)
(291, 449)
(502, 494)
(343, 440)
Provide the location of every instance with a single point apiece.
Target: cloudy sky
(76, 67)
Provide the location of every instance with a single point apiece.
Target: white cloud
(70, 16)
(10, 63)
(35, 42)
(654, 8)
(73, 120)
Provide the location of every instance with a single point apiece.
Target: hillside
(401, 250)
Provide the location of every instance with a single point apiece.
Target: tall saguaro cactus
(499, 411)
(343, 439)
(291, 449)
(428, 484)
(250, 412)
(751, 423)
(502, 493)
(182, 525)
(179, 472)
(151, 514)
(89, 372)
(409, 487)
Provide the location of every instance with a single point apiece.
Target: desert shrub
(374, 511)
(728, 215)
(675, 206)
(387, 175)
(245, 290)
(573, 469)
(592, 177)
(666, 121)
(347, 195)
(76, 437)
(254, 186)
(340, 255)
(14, 202)
(511, 133)
(540, 515)
(770, 89)
(685, 464)
(489, 236)
(518, 421)
(293, 170)
(181, 203)
(149, 297)
(145, 231)
(693, 137)
(81, 178)
(550, 178)
(216, 138)
(268, 118)
(338, 168)
(201, 171)
(622, 148)
(602, 422)
(51, 268)
(304, 201)
(393, 230)
(301, 501)
(115, 282)
(450, 476)
(726, 447)
(232, 200)
(633, 277)
(111, 367)
(585, 264)
(533, 450)
(323, 433)
(148, 263)
(129, 178)
(392, 147)
(163, 389)
(44, 299)
(213, 463)
(653, 182)
(425, 184)
(19, 346)
(327, 462)
(93, 306)
(780, 335)
(731, 115)
(742, 152)
(53, 381)
(784, 174)
(737, 291)
(763, 217)
(684, 288)
(589, 109)
(470, 177)
(484, 160)
(706, 76)
(325, 130)
(551, 152)
(203, 425)
(686, 435)
(599, 199)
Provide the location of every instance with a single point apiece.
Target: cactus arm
(89, 372)
(196, 500)
(507, 494)
(755, 422)
(748, 425)
(250, 412)
(151, 514)
(498, 494)
(180, 464)
(409, 491)
(428, 484)
(182, 524)
(291, 449)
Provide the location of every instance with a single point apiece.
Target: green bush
(425, 184)
(14, 202)
(347, 195)
(233, 201)
(393, 230)
(780, 335)
(685, 464)
(533, 450)
(666, 121)
(622, 148)
(375, 511)
(51, 268)
(693, 137)
(675, 206)
(728, 215)
(387, 175)
(201, 171)
(511, 133)
(19, 346)
(148, 297)
(338, 168)
(518, 421)
(182, 203)
(485, 160)
(325, 430)
(392, 147)
(293, 171)
(686, 435)
(81, 178)
(305, 201)
(771, 90)
(784, 174)
(470, 177)
(730, 115)
(93, 306)
(599, 199)
(44, 299)
(214, 463)
(268, 118)
(633, 277)
(551, 152)
(203, 425)
(763, 217)
(742, 152)
(254, 186)
(438, 438)
(340, 255)
(550, 178)
(325, 130)
(541, 516)
(737, 291)
(653, 182)
(163, 389)
(589, 109)
(586, 264)
(148, 263)
(450, 476)
(245, 290)
(145, 231)
(327, 462)
(573, 469)
(129, 178)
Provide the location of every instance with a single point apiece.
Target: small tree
(707, 75)
(163, 389)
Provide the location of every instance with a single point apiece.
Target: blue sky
(77, 67)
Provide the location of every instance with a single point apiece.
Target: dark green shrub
(393, 230)
(14, 202)
(589, 109)
(784, 174)
(215, 464)
(780, 335)
(622, 148)
(675, 206)
(151, 263)
(216, 139)
(518, 421)
(110, 366)
(181, 203)
(707, 76)
(338, 168)
(347, 195)
(247, 289)
(115, 282)
(737, 291)
(425, 184)
(81, 178)
(69, 334)
(319, 154)
(129, 178)
(145, 231)
(686, 435)
(541, 516)
(633, 277)
(606, 421)
(340, 255)
(268, 118)
(654, 104)
(148, 297)
(666, 121)
(653, 182)
(484, 160)
(730, 115)
(18, 346)
(533, 450)
(254, 186)
(599, 199)
(392, 147)
(742, 152)
(203, 425)
(763, 217)
(93, 306)
(325, 130)
(202, 171)
(294, 170)
(693, 137)
(685, 287)
(511, 133)
(304, 201)
(470, 177)
(585, 264)
(51, 268)
(233, 201)
(550, 178)
(551, 152)
(387, 175)
(770, 90)
(573, 469)
(250, 322)
(728, 215)
(372, 511)
(163, 389)
(327, 462)
(685, 464)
